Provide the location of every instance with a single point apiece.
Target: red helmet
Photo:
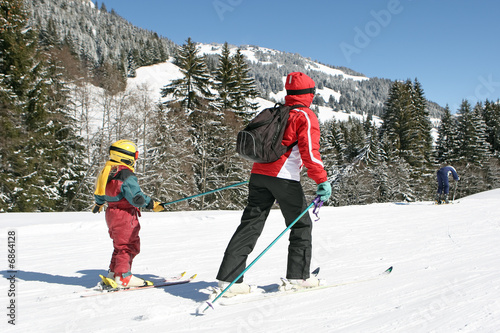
(298, 83)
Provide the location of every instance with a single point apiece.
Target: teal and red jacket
(123, 191)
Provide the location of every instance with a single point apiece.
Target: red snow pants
(123, 226)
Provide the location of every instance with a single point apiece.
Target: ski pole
(201, 194)
(316, 201)
(455, 190)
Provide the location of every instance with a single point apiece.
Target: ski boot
(304, 283)
(446, 201)
(438, 199)
(127, 280)
(236, 288)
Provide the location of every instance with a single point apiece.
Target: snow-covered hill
(445, 279)
(250, 54)
(150, 80)
(157, 76)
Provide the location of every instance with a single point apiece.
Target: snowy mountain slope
(155, 77)
(445, 276)
(250, 54)
(151, 79)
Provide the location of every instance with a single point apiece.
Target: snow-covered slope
(155, 77)
(445, 279)
(250, 51)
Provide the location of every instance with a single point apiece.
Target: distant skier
(443, 183)
(117, 185)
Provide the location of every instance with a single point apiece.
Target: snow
(247, 50)
(332, 71)
(325, 113)
(445, 278)
(155, 78)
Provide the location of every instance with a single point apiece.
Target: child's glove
(324, 191)
(97, 208)
(157, 207)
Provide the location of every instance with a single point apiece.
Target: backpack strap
(254, 125)
(291, 108)
(297, 106)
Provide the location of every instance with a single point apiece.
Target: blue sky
(451, 47)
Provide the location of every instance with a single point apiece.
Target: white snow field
(446, 275)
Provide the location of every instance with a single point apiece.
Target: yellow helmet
(124, 151)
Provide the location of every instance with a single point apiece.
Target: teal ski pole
(210, 304)
(204, 193)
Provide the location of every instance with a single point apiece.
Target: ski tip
(193, 277)
(388, 270)
(315, 272)
(183, 273)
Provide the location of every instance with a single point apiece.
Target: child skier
(117, 185)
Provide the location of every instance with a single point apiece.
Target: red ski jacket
(302, 127)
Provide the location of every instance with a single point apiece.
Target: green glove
(324, 191)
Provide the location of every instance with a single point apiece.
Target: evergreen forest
(59, 60)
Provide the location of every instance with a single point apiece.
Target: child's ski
(166, 283)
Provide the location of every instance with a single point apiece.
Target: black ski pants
(263, 191)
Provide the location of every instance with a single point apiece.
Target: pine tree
(169, 170)
(406, 133)
(244, 88)
(193, 87)
(355, 138)
(396, 118)
(131, 65)
(373, 155)
(225, 80)
(333, 144)
(17, 61)
(407, 124)
(64, 152)
(471, 138)
(421, 139)
(483, 146)
(491, 115)
(446, 142)
(37, 153)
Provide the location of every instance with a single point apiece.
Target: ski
(273, 292)
(175, 278)
(255, 291)
(166, 283)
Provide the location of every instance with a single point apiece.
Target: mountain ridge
(99, 36)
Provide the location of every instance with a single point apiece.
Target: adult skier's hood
(300, 89)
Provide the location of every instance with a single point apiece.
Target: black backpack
(260, 140)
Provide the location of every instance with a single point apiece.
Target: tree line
(109, 49)
(53, 143)
(399, 160)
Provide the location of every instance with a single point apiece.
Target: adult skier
(280, 181)
(118, 186)
(443, 183)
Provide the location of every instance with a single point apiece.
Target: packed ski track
(445, 278)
